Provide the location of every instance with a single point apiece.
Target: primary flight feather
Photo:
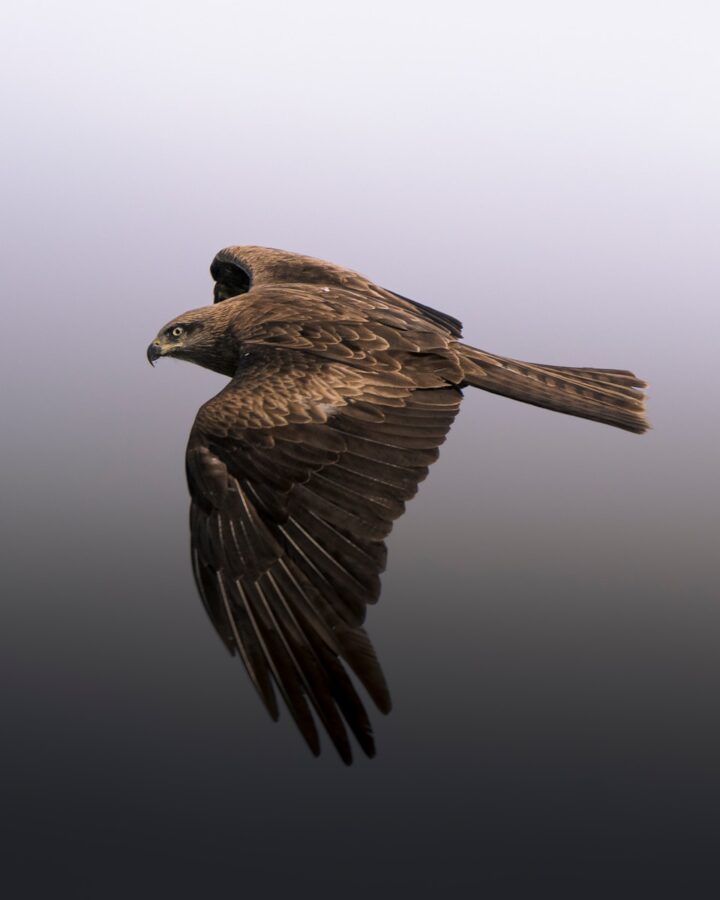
(340, 394)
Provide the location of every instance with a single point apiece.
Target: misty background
(549, 626)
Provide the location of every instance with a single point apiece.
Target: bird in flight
(340, 394)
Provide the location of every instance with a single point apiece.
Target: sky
(547, 172)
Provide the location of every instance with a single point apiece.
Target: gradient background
(550, 173)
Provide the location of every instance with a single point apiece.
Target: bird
(340, 394)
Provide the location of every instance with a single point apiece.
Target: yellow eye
(177, 331)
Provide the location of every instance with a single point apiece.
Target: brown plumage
(341, 394)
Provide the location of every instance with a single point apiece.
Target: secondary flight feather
(339, 397)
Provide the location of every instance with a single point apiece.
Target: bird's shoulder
(367, 329)
(359, 303)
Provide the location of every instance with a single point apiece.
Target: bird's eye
(177, 331)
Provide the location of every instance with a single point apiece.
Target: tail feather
(611, 396)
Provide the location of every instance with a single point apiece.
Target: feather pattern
(291, 509)
(340, 395)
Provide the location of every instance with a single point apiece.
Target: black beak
(154, 351)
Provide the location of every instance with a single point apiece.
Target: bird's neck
(221, 357)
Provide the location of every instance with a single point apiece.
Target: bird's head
(200, 336)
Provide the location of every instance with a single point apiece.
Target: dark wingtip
(231, 277)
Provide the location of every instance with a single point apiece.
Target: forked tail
(612, 396)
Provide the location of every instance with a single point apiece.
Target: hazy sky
(549, 173)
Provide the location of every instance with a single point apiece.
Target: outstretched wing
(237, 270)
(297, 470)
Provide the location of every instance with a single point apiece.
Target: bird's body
(341, 394)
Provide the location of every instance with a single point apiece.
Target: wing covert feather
(297, 470)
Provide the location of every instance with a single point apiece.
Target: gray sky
(547, 172)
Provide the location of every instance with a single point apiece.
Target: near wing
(297, 470)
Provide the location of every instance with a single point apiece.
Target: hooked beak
(154, 351)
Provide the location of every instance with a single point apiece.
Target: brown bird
(341, 393)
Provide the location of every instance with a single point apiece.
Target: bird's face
(183, 338)
(200, 336)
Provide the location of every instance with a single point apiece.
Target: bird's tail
(612, 396)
